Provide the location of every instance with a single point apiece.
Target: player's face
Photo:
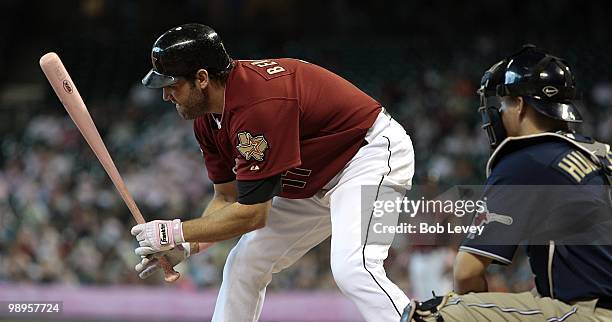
(190, 101)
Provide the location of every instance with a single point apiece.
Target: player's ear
(521, 106)
(202, 78)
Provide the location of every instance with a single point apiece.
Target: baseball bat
(68, 94)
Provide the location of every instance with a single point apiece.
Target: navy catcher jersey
(555, 199)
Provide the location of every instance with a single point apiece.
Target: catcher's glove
(417, 311)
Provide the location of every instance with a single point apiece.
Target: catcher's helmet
(544, 81)
(181, 51)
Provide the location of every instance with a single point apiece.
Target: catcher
(554, 184)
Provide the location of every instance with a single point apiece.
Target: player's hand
(150, 264)
(158, 235)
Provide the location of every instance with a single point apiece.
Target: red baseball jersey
(285, 116)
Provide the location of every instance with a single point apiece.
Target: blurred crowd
(61, 220)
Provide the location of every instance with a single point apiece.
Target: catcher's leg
(511, 307)
(293, 228)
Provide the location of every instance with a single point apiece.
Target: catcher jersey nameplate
(252, 147)
(576, 165)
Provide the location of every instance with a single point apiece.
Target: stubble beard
(195, 105)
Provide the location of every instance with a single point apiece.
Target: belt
(385, 112)
(363, 143)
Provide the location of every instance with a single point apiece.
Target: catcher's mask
(490, 104)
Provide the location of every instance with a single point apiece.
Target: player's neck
(535, 126)
(529, 130)
(217, 98)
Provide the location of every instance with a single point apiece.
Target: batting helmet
(544, 81)
(183, 50)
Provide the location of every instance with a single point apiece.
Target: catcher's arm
(469, 272)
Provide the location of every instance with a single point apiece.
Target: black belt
(363, 143)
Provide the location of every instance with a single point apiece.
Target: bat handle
(170, 275)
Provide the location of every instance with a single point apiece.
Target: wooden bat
(68, 94)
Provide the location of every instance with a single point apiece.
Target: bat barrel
(66, 91)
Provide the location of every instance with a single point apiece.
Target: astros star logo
(252, 147)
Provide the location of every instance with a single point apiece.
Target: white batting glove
(150, 264)
(158, 235)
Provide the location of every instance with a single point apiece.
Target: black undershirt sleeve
(252, 192)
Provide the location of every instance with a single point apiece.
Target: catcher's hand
(426, 311)
(150, 263)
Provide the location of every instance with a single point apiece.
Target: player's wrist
(194, 248)
(177, 232)
(187, 248)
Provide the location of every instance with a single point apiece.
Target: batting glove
(150, 264)
(158, 235)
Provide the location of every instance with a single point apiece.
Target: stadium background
(64, 232)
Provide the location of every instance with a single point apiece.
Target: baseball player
(288, 146)
(551, 189)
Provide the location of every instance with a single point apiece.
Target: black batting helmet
(183, 50)
(544, 81)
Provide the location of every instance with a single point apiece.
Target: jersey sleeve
(219, 170)
(498, 240)
(266, 138)
(512, 208)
